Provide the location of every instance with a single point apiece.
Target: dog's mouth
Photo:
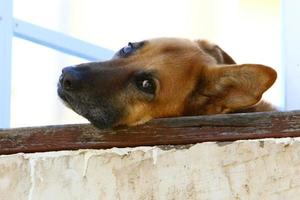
(62, 95)
(100, 112)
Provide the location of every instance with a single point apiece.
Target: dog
(164, 77)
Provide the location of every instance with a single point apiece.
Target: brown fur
(192, 78)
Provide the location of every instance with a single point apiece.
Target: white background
(249, 30)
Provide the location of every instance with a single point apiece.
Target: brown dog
(164, 77)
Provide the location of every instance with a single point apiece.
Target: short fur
(190, 78)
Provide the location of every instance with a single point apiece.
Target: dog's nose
(70, 79)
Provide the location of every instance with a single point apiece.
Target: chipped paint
(154, 155)
(32, 177)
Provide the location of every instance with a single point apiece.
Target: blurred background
(251, 31)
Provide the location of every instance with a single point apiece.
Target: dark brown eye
(145, 84)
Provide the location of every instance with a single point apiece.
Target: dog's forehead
(160, 48)
(178, 50)
(171, 43)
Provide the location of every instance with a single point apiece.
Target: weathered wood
(171, 131)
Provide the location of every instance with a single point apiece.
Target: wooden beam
(171, 131)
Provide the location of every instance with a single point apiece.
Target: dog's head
(162, 78)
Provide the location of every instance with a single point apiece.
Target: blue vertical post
(291, 52)
(6, 34)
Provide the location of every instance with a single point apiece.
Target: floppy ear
(234, 87)
(216, 52)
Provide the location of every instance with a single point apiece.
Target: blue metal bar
(59, 41)
(6, 33)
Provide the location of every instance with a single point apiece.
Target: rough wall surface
(253, 169)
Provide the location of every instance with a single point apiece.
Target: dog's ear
(232, 87)
(215, 51)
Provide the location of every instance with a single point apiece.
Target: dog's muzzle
(77, 88)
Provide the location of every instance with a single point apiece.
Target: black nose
(70, 79)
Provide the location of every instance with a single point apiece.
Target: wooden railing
(168, 131)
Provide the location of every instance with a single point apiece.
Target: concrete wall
(253, 169)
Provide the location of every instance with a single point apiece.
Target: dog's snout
(70, 79)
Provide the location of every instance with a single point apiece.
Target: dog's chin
(97, 116)
(102, 114)
(100, 118)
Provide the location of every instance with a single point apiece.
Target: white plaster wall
(254, 169)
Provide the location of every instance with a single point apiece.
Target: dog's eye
(127, 50)
(146, 84)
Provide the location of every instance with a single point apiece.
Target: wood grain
(168, 131)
